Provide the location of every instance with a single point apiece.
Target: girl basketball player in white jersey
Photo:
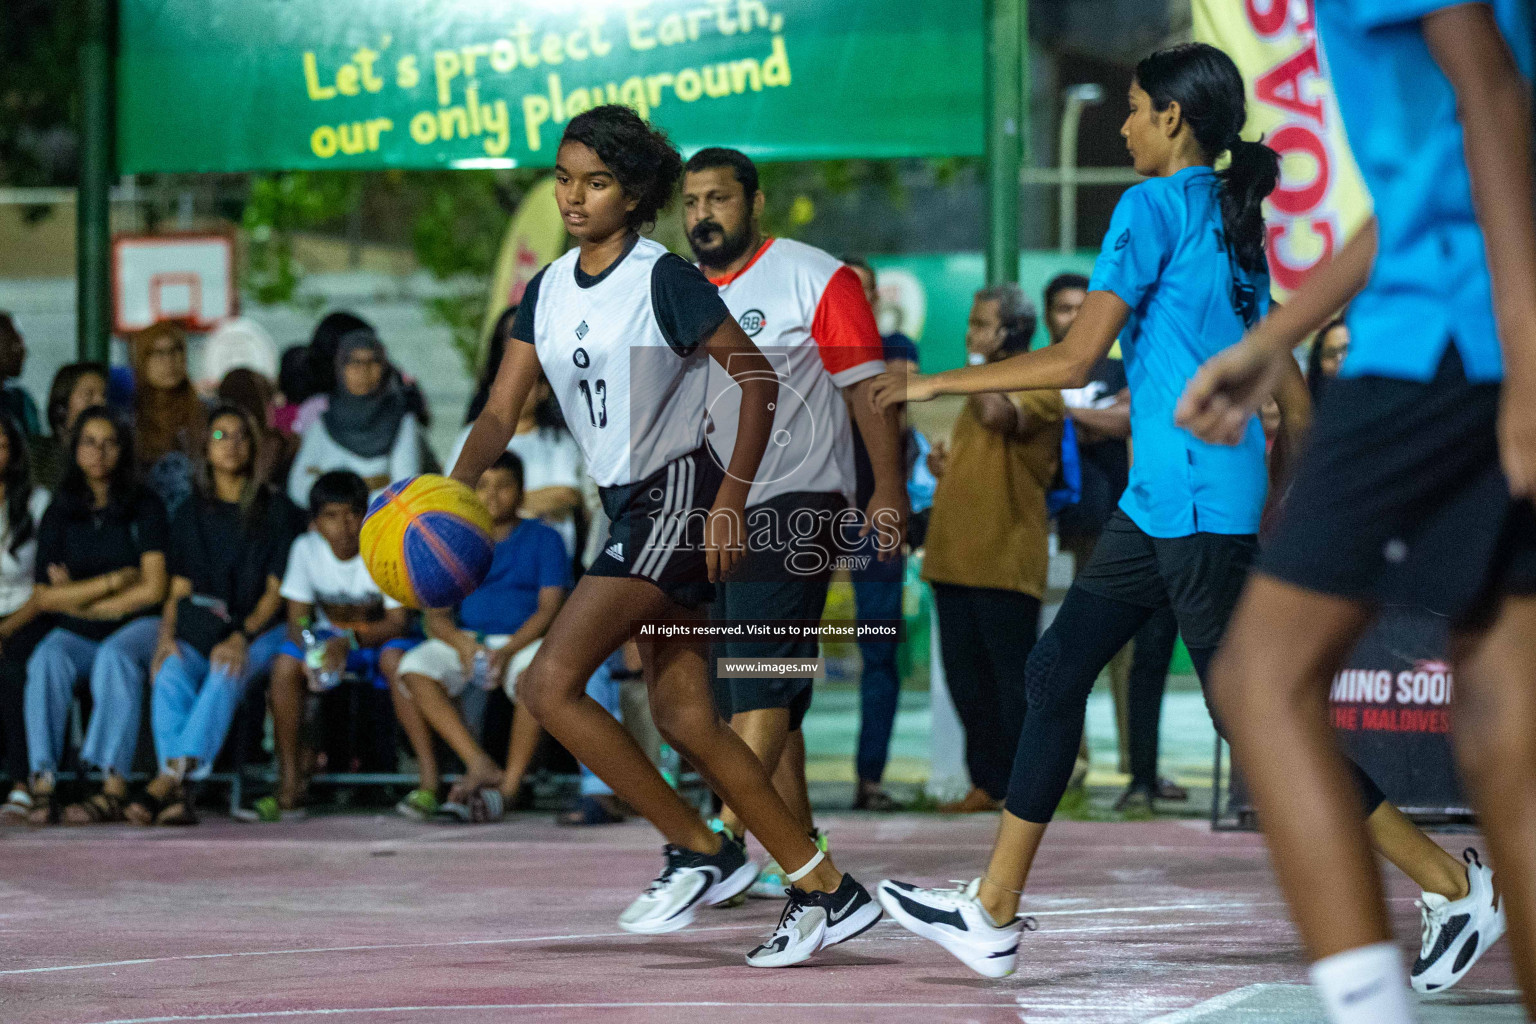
(623, 331)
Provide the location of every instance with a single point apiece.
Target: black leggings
(1085, 635)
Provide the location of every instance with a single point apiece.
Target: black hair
(63, 388)
(510, 462)
(323, 345)
(495, 349)
(339, 487)
(546, 414)
(1061, 283)
(293, 378)
(120, 484)
(858, 263)
(254, 494)
(1209, 91)
(18, 485)
(641, 157)
(735, 159)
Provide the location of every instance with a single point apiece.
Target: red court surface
(371, 918)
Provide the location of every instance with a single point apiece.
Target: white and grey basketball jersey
(633, 396)
(807, 313)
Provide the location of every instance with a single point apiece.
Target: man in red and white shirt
(808, 315)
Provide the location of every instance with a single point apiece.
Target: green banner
(236, 85)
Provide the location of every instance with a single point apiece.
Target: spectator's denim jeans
(192, 704)
(877, 595)
(604, 689)
(116, 667)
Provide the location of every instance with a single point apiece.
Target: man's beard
(729, 250)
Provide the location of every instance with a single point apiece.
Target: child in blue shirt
(488, 640)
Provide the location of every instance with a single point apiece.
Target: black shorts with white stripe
(657, 528)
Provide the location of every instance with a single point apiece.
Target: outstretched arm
(1063, 365)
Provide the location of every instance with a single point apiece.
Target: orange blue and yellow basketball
(427, 541)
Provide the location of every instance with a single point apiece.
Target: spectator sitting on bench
(506, 617)
(229, 544)
(330, 595)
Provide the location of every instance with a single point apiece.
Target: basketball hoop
(187, 278)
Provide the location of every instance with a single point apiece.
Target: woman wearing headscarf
(311, 393)
(169, 418)
(367, 426)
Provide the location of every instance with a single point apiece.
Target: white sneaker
(1457, 932)
(689, 880)
(812, 921)
(956, 920)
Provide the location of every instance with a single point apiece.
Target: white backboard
(182, 277)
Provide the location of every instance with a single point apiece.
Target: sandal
(269, 809)
(144, 809)
(179, 810)
(45, 811)
(17, 807)
(418, 805)
(101, 808)
(479, 808)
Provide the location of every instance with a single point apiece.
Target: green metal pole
(1007, 55)
(93, 229)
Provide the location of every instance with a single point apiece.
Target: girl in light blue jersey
(1415, 490)
(1182, 275)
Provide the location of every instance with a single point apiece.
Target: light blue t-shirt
(1164, 255)
(1430, 282)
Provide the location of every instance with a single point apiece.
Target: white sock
(1364, 986)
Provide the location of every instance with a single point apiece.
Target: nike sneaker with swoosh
(812, 921)
(688, 881)
(1457, 932)
(956, 920)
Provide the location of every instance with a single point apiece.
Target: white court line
(337, 1011)
(1224, 1001)
(356, 949)
(613, 935)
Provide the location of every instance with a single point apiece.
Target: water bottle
(314, 658)
(671, 765)
(482, 672)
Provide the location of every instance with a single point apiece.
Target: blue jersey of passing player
(1165, 255)
(1429, 286)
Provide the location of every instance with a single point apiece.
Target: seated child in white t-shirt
(330, 596)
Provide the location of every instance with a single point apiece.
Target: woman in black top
(21, 627)
(228, 548)
(101, 568)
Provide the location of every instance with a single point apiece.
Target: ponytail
(1252, 175)
(1209, 90)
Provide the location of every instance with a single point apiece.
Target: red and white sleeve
(845, 331)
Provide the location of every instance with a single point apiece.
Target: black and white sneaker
(1457, 932)
(812, 921)
(688, 881)
(956, 920)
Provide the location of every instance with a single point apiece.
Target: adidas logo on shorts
(615, 551)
